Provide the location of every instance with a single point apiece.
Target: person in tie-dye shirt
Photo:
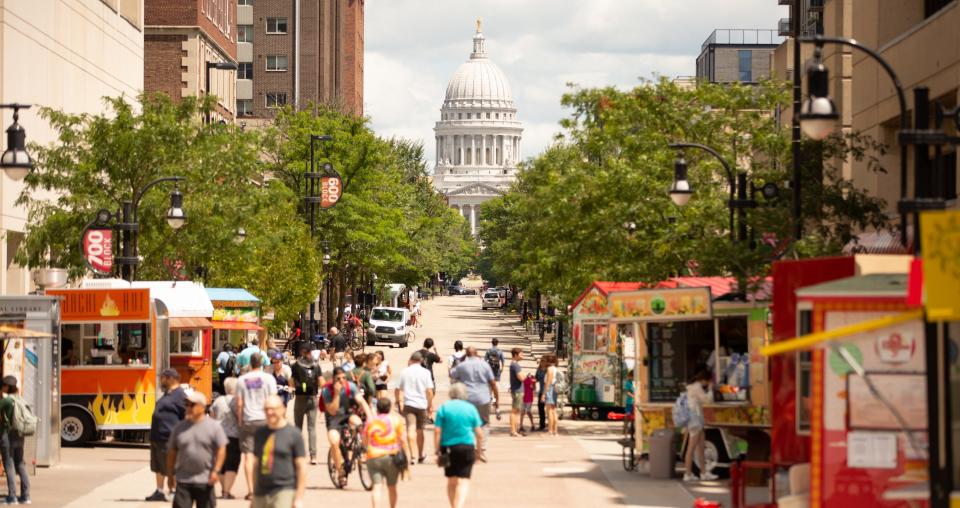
(386, 451)
(280, 460)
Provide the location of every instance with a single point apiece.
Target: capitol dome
(478, 82)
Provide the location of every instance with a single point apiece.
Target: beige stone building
(63, 54)
(736, 56)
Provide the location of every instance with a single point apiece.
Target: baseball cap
(10, 381)
(197, 398)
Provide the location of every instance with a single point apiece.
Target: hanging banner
(661, 304)
(98, 250)
(940, 236)
(331, 188)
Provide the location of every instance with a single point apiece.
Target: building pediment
(475, 189)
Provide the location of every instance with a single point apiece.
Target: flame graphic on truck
(126, 409)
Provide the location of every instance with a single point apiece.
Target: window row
(274, 63)
(271, 100)
(479, 116)
(274, 26)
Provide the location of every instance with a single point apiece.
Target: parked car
(468, 291)
(490, 300)
(388, 324)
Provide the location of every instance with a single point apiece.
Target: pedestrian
(516, 393)
(387, 452)
(429, 355)
(348, 363)
(196, 452)
(529, 387)
(243, 358)
(12, 443)
(414, 395)
(384, 372)
(549, 396)
(699, 392)
(456, 437)
(306, 382)
(224, 410)
(280, 461)
(341, 397)
(482, 389)
(338, 346)
(226, 365)
(168, 411)
(494, 357)
(458, 355)
(363, 376)
(253, 389)
(541, 376)
(282, 374)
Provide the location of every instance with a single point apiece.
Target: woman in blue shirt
(458, 430)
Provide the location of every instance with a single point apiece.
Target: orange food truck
(113, 348)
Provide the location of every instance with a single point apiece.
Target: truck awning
(189, 322)
(235, 325)
(811, 340)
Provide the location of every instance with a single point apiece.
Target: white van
(490, 299)
(388, 324)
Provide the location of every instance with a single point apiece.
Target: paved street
(579, 468)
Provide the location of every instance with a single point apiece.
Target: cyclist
(356, 325)
(341, 400)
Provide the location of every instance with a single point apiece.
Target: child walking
(529, 388)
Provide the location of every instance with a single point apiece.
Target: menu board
(666, 363)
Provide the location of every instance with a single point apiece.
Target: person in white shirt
(457, 357)
(253, 388)
(414, 397)
(699, 392)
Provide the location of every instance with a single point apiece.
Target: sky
(413, 47)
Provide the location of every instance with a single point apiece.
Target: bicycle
(354, 456)
(629, 444)
(358, 339)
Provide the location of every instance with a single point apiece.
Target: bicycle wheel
(629, 459)
(361, 461)
(332, 469)
(356, 343)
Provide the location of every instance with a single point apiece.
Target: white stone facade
(478, 135)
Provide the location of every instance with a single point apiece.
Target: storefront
(191, 331)
(236, 317)
(113, 348)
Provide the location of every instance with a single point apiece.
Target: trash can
(662, 454)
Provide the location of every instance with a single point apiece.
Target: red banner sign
(98, 250)
(331, 188)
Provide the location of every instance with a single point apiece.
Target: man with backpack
(430, 356)
(16, 422)
(226, 365)
(305, 380)
(495, 359)
(457, 357)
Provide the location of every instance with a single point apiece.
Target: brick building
(297, 52)
(182, 39)
(731, 56)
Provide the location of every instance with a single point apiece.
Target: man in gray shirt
(481, 387)
(196, 451)
(253, 388)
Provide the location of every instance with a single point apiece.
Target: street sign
(331, 188)
(98, 250)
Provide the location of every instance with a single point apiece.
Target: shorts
(462, 458)
(383, 469)
(484, 410)
(516, 400)
(158, 457)
(695, 424)
(336, 422)
(246, 435)
(232, 463)
(550, 397)
(380, 387)
(528, 407)
(415, 417)
(282, 498)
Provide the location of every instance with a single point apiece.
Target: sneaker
(708, 477)
(24, 500)
(156, 496)
(689, 477)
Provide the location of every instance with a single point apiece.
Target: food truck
(236, 316)
(866, 411)
(687, 324)
(113, 348)
(191, 332)
(600, 358)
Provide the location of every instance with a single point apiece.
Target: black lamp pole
(129, 226)
(223, 66)
(312, 200)
(795, 125)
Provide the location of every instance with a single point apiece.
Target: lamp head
(326, 258)
(240, 237)
(15, 161)
(680, 190)
(176, 216)
(818, 113)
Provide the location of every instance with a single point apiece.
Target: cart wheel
(76, 427)
(595, 415)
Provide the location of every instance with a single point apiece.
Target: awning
(235, 325)
(808, 341)
(189, 322)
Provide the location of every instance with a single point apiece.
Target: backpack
(492, 356)
(322, 403)
(681, 411)
(456, 360)
(24, 421)
(230, 369)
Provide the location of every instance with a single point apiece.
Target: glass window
(185, 342)
(595, 337)
(244, 2)
(276, 63)
(96, 344)
(245, 70)
(276, 99)
(745, 65)
(244, 33)
(276, 25)
(244, 107)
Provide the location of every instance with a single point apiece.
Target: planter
(50, 278)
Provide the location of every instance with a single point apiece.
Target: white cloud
(414, 46)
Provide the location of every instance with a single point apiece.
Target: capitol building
(478, 135)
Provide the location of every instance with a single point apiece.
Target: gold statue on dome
(478, 25)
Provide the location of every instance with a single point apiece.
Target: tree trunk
(341, 297)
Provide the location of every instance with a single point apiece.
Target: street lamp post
(312, 200)
(220, 66)
(15, 161)
(740, 200)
